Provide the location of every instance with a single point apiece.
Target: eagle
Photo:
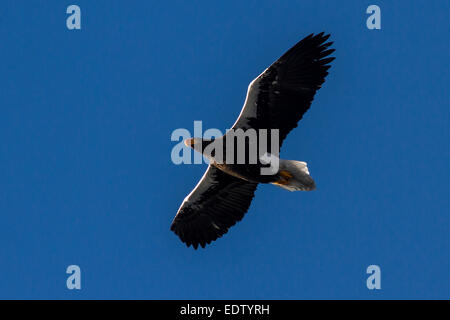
(276, 101)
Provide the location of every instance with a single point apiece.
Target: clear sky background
(86, 176)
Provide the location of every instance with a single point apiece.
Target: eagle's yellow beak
(189, 142)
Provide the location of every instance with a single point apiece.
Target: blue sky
(85, 170)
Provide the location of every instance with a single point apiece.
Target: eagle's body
(276, 100)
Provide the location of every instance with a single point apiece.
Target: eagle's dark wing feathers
(280, 96)
(216, 204)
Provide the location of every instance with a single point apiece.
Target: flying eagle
(276, 99)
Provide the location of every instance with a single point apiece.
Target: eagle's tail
(294, 176)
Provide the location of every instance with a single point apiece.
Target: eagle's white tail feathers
(294, 176)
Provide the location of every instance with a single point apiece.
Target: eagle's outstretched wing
(217, 202)
(280, 96)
